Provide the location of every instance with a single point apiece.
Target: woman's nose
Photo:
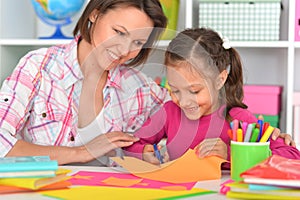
(125, 48)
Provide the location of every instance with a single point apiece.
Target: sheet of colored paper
(242, 195)
(184, 169)
(121, 180)
(92, 192)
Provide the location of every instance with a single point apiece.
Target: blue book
(27, 163)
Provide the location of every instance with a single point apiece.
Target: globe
(57, 13)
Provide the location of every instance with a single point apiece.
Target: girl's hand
(210, 147)
(105, 143)
(149, 155)
(287, 138)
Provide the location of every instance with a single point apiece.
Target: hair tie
(226, 43)
(228, 68)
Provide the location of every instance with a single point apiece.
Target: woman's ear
(222, 79)
(93, 16)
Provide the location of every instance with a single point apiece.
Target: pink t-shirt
(182, 133)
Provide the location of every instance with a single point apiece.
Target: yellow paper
(36, 182)
(187, 168)
(96, 192)
(243, 195)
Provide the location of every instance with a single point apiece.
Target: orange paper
(121, 182)
(187, 168)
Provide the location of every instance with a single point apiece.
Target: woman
(72, 101)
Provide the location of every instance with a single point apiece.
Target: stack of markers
(252, 132)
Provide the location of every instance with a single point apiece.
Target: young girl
(206, 81)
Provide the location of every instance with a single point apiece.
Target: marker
(261, 126)
(248, 133)
(266, 125)
(254, 135)
(229, 132)
(267, 134)
(235, 127)
(157, 154)
(239, 135)
(244, 127)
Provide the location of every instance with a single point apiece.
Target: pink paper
(96, 178)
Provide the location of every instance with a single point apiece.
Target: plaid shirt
(39, 101)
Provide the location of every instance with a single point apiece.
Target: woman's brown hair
(152, 8)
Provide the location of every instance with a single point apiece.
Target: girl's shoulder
(242, 115)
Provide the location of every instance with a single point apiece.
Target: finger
(121, 144)
(115, 136)
(150, 157)
(293, 143)
(287, 139)
(218, 153)
(275, 134)
(220, 146)
(166, 157)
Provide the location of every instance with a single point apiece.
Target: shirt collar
(72, 71)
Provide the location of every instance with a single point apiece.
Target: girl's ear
(222, 79)
(93, 16)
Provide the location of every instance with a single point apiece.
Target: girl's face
(193, 94)
(119, 35)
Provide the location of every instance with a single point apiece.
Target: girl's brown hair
(206, 44)
(152, 8)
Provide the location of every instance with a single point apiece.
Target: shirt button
(133, 127)
(6, 99)
(44, 115)
(72, 138)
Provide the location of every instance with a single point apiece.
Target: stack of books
(274, 178)
(31, 173)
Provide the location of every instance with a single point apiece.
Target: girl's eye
(195, 92)
(119, 32)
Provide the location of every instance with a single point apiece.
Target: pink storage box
(263, 99)
(297, 21)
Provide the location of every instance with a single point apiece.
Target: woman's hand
(149, 155)
(212, 147)
(287, 138)
(105, 143)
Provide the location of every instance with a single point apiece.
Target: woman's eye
(138, 43)
(119, 32)
(174, 91)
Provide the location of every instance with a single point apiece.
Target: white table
(210, 185)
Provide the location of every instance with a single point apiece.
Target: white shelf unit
(270, 62)
(275, 62)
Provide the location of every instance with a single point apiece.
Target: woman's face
(191, 92)
(119, 35)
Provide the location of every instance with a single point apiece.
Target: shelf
(163, 43)
(32, 42)
(49, 42)
(297, 44)
(263, 44)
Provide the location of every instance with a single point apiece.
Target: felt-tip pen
(157, 153)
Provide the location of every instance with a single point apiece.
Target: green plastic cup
(245, 155)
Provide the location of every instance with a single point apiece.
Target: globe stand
(57, 13)
(58, 34)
